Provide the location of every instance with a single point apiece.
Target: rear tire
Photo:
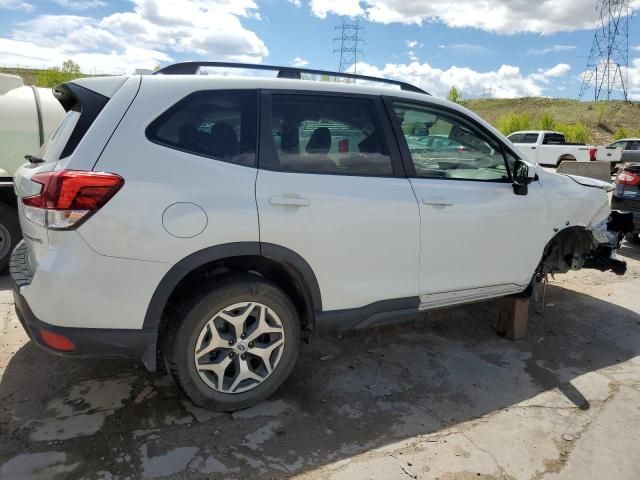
(10, 234)
(209, 359)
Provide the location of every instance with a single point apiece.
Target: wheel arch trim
(197, 259)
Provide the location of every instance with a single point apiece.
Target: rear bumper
(619, 204)
(89, 342)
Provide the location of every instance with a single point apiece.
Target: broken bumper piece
(607, 237)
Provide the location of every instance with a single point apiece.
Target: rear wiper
(34, 159)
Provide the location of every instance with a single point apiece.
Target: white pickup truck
(551, 148)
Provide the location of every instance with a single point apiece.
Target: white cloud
(557, 71)
(80, 4)
(634, 79)
(296, 3)
(500, 16)
(151, 33)
(469, 48)
(551, 49)
(413, 44)
(17, 5)
(299, 62)
(321, 8)
(506, 82)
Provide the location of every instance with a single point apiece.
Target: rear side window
(530, 138)
(217, 124)
(328, 134)
(553, 139)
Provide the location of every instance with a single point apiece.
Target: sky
(500, 48)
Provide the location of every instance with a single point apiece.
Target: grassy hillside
(601, 119)
(42, 77)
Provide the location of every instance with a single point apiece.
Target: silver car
(630, 149)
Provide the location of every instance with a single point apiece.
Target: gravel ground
(441, 398)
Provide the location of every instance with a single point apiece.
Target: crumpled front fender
(607, 237)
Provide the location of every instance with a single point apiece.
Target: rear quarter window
(218, 124)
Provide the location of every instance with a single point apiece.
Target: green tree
(70, 67)
(454, 95)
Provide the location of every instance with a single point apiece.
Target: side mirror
(523, 174)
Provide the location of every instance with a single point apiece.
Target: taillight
(627, 177)
(593, 154)
(69, 197)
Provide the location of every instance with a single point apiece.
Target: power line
(607, 69)
(350, 41)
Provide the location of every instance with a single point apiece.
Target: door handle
(290, 201)
(533, 148)
(437, 202)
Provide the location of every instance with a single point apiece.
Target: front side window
(328, 134)
(218, 124)
(443, 145)
(516, 137)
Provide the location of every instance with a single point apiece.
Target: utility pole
(350, 40)
(608, 65)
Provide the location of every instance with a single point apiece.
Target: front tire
(235, 344)
(10, 234)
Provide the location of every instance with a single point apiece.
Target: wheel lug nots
(243, 356)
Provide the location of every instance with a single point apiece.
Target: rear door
(332, 189)
(479, 239)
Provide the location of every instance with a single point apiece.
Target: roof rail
(191, 68)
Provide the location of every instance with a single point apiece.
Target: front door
(331, 188)
(478, 238)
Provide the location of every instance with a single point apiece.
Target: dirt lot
(443, 398)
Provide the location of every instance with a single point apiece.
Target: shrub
(576, 133)
(513, 122)
(547, 122)
(621, 133)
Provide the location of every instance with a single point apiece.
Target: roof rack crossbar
(191, 68)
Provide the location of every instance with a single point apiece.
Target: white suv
(211, 223)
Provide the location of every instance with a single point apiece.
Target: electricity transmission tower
(350, 41)
(608, 64)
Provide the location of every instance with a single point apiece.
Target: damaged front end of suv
(575, 248)
(588, 246)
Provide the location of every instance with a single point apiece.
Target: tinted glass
(633, 145)
(553, 139)
(442, 145)
(217, 124)
(328, 134)
(530, 138)
(516, 137)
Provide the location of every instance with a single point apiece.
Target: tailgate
(82, 106)
(609, 154)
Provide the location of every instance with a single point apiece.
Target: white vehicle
(208, 224)
(551, 148)
(28, 116)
